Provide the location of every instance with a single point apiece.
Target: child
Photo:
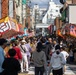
(11, 65)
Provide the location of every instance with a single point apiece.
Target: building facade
(52, 13)
(4, 8)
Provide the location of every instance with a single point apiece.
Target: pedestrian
(11, 65)
(24, 63)
(18, 51)
(65, 54)
(46, 47)
(3, 44)
(49, 45)
(29, 50)
(57, 62)
(71, 55)
(39, 60)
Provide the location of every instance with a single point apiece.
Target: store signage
(4, 27)
(13, 25)
(73, 30)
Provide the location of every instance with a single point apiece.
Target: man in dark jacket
(11, 65)
(46, 47)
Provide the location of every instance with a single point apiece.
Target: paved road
(70, 70)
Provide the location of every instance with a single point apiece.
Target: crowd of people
(16, 55)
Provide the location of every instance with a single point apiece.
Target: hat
(23, 41)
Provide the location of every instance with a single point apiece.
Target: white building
(37, 14)
(52, 13)
(34, 15)
(42, 13)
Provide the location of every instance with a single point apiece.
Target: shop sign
(73, 30)
(8, 24)
(13, 24)
(4, 27)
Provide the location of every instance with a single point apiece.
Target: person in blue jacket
(3, 44)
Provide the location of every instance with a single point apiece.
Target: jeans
(39, 70)
(24, 60)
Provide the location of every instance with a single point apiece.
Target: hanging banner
(4, 25)
(73, 30)
(8, 24)
(13, 24)
(8, 27)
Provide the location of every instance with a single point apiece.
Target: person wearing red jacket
(18, 52)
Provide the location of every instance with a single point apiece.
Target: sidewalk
(70, 70)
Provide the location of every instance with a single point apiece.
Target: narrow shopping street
(71, 70)
(37, 37)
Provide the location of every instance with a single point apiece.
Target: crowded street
(37, 37)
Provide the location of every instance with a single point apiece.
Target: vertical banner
(73, 30)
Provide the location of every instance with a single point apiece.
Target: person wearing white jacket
(57, 62)
(23, 49)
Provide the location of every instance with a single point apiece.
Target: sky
(43, 3)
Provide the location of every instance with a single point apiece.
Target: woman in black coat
(11, 65)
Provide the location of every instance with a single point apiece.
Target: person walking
(18, 55)
(65, 54)
(57, 62)
(11, 65)
(39, 59)
(71, 55)
(29, 50)
(24, 63)
(3, 44)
